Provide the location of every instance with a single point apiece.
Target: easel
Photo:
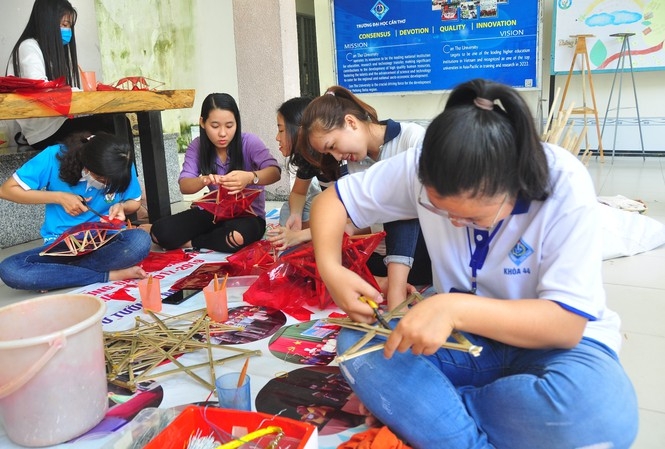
(625, 49)
(581, 50)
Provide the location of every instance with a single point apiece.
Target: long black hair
(484, 143)
(103, 154)
(207, 150)
(44, 26)
(292, 111)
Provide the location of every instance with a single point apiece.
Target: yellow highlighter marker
(377, 312)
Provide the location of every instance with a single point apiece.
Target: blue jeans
(507, 397)
(30, 271)
(404, 244)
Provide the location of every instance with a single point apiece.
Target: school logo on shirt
(109, 197)
(521, 251)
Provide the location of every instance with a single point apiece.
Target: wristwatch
(256, 178)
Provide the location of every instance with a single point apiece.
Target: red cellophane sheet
(223, 206)
(55, 95)
(294, 281)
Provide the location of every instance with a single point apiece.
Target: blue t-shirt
(42, 172)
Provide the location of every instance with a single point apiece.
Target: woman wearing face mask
(88, 173)
(46, 50)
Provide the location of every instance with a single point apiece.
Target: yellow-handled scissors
(377, 313)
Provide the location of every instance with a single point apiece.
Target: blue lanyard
(478, 256)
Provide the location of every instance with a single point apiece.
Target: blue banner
(386, 46)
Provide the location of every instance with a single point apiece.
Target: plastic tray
(236, 286)
(205, 419)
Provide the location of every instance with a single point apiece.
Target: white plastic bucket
(52, 372)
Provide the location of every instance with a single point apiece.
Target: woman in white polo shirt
(46, 50)
(512, 232)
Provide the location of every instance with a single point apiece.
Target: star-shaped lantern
(255, 258)
(356, 250)
(83, 238)
(223, 206)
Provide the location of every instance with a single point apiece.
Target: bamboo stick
(135, 353)
(551, 114)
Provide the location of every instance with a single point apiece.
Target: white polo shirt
(410, 135)
(548, 249)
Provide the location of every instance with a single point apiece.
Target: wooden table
(146, 104)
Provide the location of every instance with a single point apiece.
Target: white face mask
(92, 182)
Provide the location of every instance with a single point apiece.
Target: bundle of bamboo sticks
(558, 127)
(133, 355)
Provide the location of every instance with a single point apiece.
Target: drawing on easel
(602, 18)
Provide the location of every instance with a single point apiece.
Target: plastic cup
(150, 293)
(216, 303)
(89, 81)
(230, 395)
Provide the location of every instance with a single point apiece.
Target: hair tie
(484, 103)
(330, 92)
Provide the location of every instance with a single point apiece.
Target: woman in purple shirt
(222, 156)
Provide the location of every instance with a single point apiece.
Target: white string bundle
(198, 441)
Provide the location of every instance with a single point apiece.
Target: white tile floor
(635, 288)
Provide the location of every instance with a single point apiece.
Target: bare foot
(134, 272)
(370, 420)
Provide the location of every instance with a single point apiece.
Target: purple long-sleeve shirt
(255, 154)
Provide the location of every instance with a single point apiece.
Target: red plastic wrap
(54, 94)
(294, 280)
(224, 206)
(19, 85)
(202, 276)
(284, 288)
(255, 258)
(158, 260)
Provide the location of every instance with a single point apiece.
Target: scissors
(377, 313)
(85, 203)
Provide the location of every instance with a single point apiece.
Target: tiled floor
(635, 288)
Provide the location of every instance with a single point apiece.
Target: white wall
(204, 59)
(14, 17)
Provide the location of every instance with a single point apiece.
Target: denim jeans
(30, 271)
(507, 397)
(405, 244)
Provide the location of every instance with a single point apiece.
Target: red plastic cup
(150, 293)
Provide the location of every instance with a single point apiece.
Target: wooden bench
(146, 104)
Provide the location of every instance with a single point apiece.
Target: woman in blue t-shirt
(87, 175)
